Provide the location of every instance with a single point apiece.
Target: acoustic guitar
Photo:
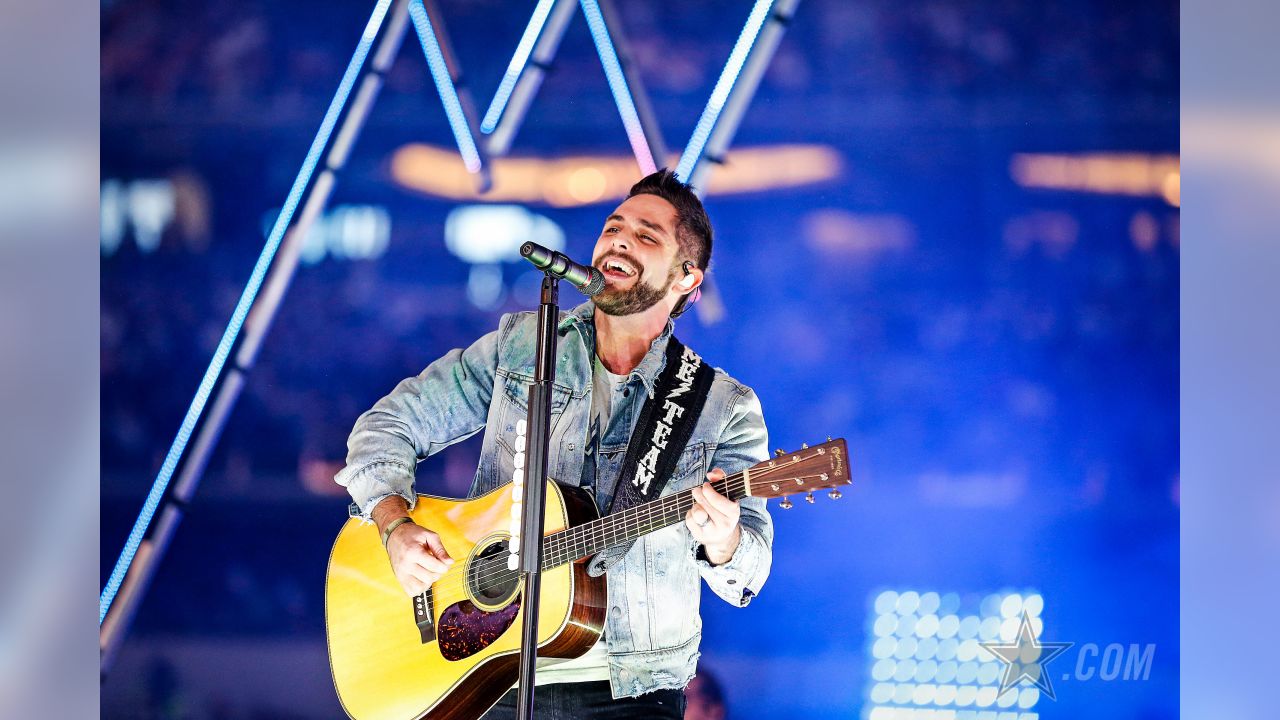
(453, 651)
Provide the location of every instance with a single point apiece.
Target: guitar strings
(624, 523)
(575, 534)
(489, 570)
(578, 534)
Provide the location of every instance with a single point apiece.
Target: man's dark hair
(693, 227)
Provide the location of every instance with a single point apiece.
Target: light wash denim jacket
(652, 624)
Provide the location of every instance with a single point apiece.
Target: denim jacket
(652, 624)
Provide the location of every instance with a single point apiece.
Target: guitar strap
(662, 431)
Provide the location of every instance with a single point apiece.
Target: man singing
(654, 251)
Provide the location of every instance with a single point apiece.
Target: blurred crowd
(223, 57)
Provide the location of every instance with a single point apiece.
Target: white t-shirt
(593, 665)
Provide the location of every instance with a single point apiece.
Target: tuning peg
(804, 446)
(785, 504)
(835, 494)
(828, 438)
(779, 452)
(808, 497)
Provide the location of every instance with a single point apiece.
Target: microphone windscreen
(595, 284)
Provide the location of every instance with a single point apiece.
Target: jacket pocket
(514, 399)
(691, 469)
(673, 588)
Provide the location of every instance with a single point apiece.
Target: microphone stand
(536, 457)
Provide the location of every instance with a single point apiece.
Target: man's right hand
(418, 558)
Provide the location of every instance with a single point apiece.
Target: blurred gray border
(49, 358)
(1230, 357)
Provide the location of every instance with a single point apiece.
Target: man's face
(637, 253)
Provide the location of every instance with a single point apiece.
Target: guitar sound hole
(488, 578)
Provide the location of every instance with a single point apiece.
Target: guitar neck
(624, 526)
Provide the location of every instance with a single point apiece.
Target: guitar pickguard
(465, 629)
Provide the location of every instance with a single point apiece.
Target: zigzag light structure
(728, 78)
(516, 67)
(328, 152)
(757, 41)
(444, 85)
(247, 299)
(622, 95)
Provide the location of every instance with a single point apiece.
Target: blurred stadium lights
(1146, 231)
(488, 235)
(146, 206)
(1056, 233)
(926, 661)
(587, 179)
(482, 234)
(837, 232)
(346, 232)
(1136, 174)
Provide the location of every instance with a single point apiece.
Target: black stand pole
(535, 498)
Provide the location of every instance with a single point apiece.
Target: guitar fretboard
(590, 538)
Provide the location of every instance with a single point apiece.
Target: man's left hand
(713, 520)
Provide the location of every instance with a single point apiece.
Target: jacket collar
(650, 365)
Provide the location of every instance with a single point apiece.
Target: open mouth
(618, 269)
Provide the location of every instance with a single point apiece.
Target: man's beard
(637, 299)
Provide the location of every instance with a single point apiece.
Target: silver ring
(705, 522)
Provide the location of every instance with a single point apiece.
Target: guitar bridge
(424, 616)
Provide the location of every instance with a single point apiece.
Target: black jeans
(571, 701)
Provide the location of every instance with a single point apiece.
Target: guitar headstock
(820, 467)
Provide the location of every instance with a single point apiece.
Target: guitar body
(385, 664)
(454, 651)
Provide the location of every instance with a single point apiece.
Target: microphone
(587, 279)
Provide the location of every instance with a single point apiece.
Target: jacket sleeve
(446, 403)
(743, 443)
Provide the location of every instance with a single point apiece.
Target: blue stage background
(1002, 359)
